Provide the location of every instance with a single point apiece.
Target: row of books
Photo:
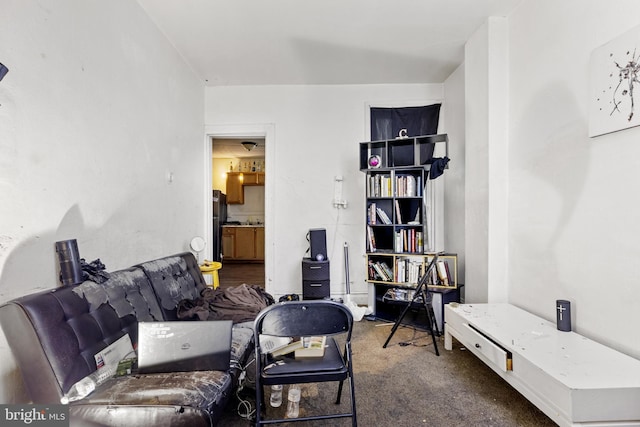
(404, 240)
(408, 240)
(374, 213)
(379, 270)
(440, 275)
(408, 186)
(379, 185)
(409, 271)
(443, 273)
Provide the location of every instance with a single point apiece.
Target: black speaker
(70, 265)
(318, 241)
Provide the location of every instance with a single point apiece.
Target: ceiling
(232, 148)
(309, 42)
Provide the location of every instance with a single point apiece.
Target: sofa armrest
(39, 377)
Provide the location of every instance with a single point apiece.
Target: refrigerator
(219, 218)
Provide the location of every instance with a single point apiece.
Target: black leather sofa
(55, 334)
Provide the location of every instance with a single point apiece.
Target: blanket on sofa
(239, 304)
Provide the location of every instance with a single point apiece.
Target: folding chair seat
(298, 319)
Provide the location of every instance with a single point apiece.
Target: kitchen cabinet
(228, 242)
(235, 190)
(243, 243)
(236, 181)
(253, 178)
(259, 243)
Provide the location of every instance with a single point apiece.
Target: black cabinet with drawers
(315, 279)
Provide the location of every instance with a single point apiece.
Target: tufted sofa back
(173, 279)
(55, 334)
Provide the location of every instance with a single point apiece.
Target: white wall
(486, 178)
(454, 177)
(573, 206)
(317, 131)
(96, 110)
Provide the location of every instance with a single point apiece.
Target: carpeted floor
(406, 384)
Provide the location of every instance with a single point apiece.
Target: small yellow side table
(212, 267)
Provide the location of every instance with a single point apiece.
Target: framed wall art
(615, 85)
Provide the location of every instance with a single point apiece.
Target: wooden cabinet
(253, 178)
(259, 243)
(235, 192)
(236, 181)
(228, 242)
(243, 243)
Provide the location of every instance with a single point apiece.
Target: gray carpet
(408, 385)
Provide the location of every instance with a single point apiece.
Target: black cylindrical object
(563, 315)
(69, 258)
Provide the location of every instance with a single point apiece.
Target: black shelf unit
(398, 217)
(403, 152)
(389, 310)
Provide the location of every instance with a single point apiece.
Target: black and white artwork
(615, 85)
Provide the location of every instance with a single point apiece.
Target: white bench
(572, 379)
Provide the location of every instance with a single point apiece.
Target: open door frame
(266, 131)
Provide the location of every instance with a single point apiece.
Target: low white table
(572, 379)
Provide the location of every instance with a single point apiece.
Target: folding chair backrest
(304, 318)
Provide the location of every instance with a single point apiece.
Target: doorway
(238, 165)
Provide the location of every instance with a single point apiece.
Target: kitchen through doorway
(238, 197)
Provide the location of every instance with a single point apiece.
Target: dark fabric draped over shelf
(386, 123)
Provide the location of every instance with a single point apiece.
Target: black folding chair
(304, 319)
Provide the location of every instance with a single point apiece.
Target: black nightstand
(315, 279)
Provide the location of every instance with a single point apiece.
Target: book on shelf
(383, 216)
(382, 271)
(379, 186)
(397, 241)
(405, 239)
(371, 240)
(408, 240)
(387, 271)
(371, 214)
(433, 274)
(408, 271)
(398, 215)
(410, 189)
(379, 273)
(408, 186)
(419, 241)
(443, 273)
(400, 271)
